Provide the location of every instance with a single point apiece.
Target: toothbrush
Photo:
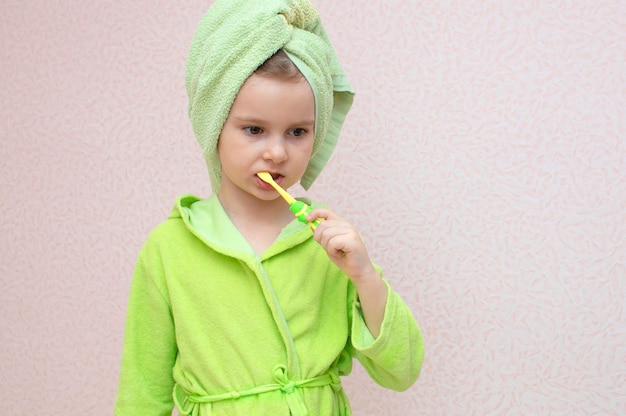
(299, 208)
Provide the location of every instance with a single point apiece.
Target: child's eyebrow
(256, 120)
(248, 119)
(305, 123)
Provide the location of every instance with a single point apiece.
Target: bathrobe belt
(188, 403)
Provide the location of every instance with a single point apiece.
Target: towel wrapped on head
(233, 39)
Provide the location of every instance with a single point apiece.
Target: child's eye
(297, 132)
(254, 130)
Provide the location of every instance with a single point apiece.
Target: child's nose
(276, 150)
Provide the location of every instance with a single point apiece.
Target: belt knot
(295, 401)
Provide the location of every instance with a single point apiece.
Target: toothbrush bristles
(267, 178)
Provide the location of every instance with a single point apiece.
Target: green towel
(233, 39)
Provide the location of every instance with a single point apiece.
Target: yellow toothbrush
(299, 208)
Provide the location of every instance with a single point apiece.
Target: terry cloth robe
(218, 330)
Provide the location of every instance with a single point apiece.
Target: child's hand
(346, 249)
(343, 245)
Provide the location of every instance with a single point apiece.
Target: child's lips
(277, 177)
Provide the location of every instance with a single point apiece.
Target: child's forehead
(268, 97)
(265, 79)
(272, 85)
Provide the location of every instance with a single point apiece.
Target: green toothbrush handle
(301, 210)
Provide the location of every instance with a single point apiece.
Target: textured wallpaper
(484, 162)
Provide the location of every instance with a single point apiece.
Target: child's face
(270, 127)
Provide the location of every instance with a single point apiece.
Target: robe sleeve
(149, 353)
(394, 359)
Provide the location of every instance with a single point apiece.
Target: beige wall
(484, 161)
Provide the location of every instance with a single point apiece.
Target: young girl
(236, 308)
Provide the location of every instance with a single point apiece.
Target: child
(236, 308)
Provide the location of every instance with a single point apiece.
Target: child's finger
(322, 213)
(336, 237)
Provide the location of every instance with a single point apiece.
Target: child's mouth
(276, 177)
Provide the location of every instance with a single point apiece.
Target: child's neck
(260, 222)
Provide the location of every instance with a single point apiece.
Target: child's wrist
(367, 278)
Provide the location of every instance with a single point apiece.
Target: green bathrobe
(218, 330)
